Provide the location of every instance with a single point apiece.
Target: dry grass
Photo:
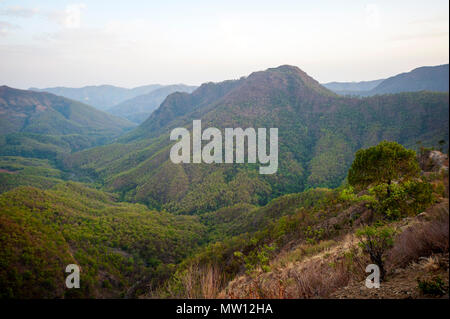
(319, 280)
(303, 251)
(312, 277)
(313, 280)
(422, 239)
(211, 282)
(198, 282)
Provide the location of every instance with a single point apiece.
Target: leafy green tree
(383, 163)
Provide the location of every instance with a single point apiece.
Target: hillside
(318, 135)
(428, 78)
(101, 97)
(43, 122)
(139, 108)
(115, 244)
(18, 171)
(303, 245)
(311, 245)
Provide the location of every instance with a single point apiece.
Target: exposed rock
(423, 216)
(434, 161)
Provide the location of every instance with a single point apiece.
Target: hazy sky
(130, 43)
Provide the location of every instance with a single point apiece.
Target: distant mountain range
(137, 104)
(139, 108)
(428, 78)
(352, 88)
(33, 122)
(101, 97)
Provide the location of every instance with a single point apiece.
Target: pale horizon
(77, 44)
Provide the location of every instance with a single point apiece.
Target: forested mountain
(139, 108)
(250, 235)
(38, 122)
(319, 132)
(427, 78)
(101, 97)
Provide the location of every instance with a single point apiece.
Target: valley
(79, 185)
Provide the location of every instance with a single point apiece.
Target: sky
(131, 43)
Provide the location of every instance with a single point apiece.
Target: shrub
(404, 199)
(348, 195)
(434, 286)
(375, 241)
(257, 258)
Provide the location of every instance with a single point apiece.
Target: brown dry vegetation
(428, 236)
(198, 282)
(339, 271)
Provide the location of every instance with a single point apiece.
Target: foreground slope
(310, 245)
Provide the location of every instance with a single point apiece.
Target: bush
(434, 286)
(403, 199)
(375, 241)
(348, 195)
(257, 258)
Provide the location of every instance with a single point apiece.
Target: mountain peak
(6, 88)
(285, 78)
(7, 91)
(286, 68)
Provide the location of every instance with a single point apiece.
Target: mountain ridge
(318, 133)
(37, 102)
(39, 123)
(425, 78)
(209, 95)
(100, 96)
